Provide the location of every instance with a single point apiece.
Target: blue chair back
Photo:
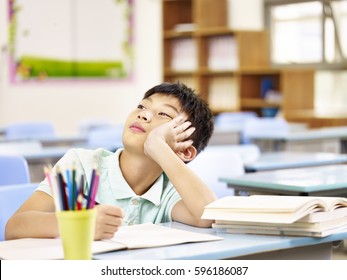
(13, 170)
(234, 119)
(106, 137)
(215, 162)
(223, 120)
(262, 127)
(11, 198)
(88, 125)
(29, 130)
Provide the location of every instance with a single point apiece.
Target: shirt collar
(121, 188)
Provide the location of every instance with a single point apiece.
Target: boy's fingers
(178, 120)
(183, 126)
(184, 145)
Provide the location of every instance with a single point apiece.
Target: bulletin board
(71, 40)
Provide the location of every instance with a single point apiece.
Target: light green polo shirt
(154, 206)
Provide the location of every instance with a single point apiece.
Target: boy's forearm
(193, 191)
(32, 224)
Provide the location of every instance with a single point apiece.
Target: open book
(128, 237)
(274, 208)
(316, 229)
(279, 215)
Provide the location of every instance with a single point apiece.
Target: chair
(229, 118)
(87, 125)
(11, 198)
(248, 153)
(234, 120)
(29, 130)
(13, 170)
(215, 162)
(20, 147)
(262, 127)
(106, 137)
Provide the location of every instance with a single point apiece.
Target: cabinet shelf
(258, 103)
(172, 34)
(228, 68)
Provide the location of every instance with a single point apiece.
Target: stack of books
(279, 215)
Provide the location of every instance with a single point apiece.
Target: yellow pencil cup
(77, 229)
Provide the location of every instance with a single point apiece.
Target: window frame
(323, 64)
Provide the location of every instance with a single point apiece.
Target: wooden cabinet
(229, 68)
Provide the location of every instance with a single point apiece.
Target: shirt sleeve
(170, 200)
(71, 157)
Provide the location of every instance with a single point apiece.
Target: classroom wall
(67, 104)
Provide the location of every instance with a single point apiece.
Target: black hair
(199, 114)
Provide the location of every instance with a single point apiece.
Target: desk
(329, 180)
(234, 246)
(284, 160)
(38, 159)
(332, 139)
(76, 140)
(226, 135)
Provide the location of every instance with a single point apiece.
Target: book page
(150, 235)
(272, 203)
(285, 218)
(46, 248)
(32, 249)
(302, 226)
(324, 216)
(128, 237)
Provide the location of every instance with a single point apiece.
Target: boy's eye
(164, 115)
(140, 106)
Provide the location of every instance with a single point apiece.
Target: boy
(147, 180)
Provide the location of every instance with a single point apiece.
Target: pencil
(95, 188)
(69, 188)
(73, 186)
(53, 185)
(79, 201)
(62, 186)
(91, 185)
(80, 194)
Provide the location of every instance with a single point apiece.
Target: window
(307, 32)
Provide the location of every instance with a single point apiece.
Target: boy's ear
(188, 154)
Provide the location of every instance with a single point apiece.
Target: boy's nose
(144, 116)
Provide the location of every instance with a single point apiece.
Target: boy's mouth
(136, 127)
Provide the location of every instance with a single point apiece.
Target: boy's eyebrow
(173, 107)
(165, 104)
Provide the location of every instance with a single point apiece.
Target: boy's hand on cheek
(174, 133)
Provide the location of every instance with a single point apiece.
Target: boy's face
(149, 114)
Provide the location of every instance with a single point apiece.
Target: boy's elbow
(8, 231)
(203, 223)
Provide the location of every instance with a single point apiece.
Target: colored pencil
(95, 188)
(91, 185)
(74, 191)
(62, 187)
(52, 181)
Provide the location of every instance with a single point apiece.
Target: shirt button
(134, 202)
